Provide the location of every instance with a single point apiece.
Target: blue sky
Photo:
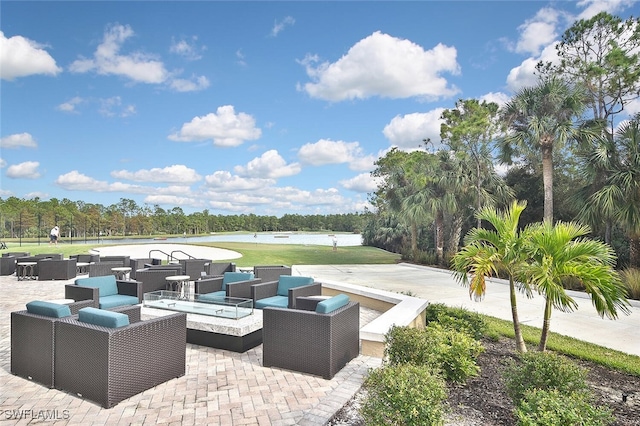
(249, 107)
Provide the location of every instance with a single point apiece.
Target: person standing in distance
(53, 235)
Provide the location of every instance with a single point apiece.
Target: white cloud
(524, 74)
(76, 181)
(193, 85)
(269, 165)
(497, 97)
(70, 105)
(3, 163)
(112, 107)
(187, 48)
(26, 170)
(385, 66)
(173, 174)
(21, 57)
(18, 140)
(593, 7)
(107, 60)
(281, 25)
(226, 182)
(410, 130)
(538, 32)
(224, 127)
(363, 182)
(326, 151)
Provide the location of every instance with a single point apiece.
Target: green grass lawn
(254, 254)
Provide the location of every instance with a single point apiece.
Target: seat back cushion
(234, 277)
(106, 284)
(48, 309)
(103, 318)
(287, 281)
(331, 304)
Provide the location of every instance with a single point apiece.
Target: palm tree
(619, 197)
(488, 252)
(540, 118)
(560, 251)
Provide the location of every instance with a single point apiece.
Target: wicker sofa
(195, 268)
(33, 341)
(108, 365)
(7, 265)
(56, 269)
(141, 263)
(309, 341)
(219, 268)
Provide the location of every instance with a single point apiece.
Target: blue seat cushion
(107, 284)
(109, 302)
(274, 301)
(234, 277)
(103, 318)
(331, 304)
(48, 309)
(287, 281)
(212, 296)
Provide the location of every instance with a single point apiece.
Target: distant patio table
(26, 270)
(178, 283)
(121, 272)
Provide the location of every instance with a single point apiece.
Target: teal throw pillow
(102, 317)
(48, 309)
(330, 305)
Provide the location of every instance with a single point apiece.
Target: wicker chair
(109, 365)
(152, 279)
(219, 268)
(7, 265)
(310, 342)
(32, 344)
(195, 268)
(271, 273)
(137, 264)
(101, 269)
(80, 292)
(271, 294)
(221, 286)
(51, 269)
(122, 260)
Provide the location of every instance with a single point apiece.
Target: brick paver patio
(219, 387)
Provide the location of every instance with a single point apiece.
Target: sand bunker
(162, 251)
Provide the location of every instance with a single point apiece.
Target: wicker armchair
(271, 273)
(7, 265)
(100, 269)
(276, 295)
(137, 264)
(32, 344)
(51, 269)
(219, 268)
(109, 365)
(122, 260)
(195, 268)
(153, 279)
(232, 284)
(310, 342)
(124, 288)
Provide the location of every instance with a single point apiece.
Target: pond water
(343, 240)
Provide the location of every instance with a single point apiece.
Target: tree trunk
(520, 345)
(456, 233)
(414, 239)
(439, 238)
(547, 180)
(542, 346)
(634, 250)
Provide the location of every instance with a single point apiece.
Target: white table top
(178, 278)
(27, 263)
(121, 269)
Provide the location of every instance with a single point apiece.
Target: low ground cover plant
(549, 389)
(457, 319)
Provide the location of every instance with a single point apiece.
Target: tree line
(566, 150)
(32, 218)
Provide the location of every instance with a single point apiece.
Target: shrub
(459, 319)
(552, 407)
(544, 371)
(451, 352)
(404, 395)
(631, 279)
